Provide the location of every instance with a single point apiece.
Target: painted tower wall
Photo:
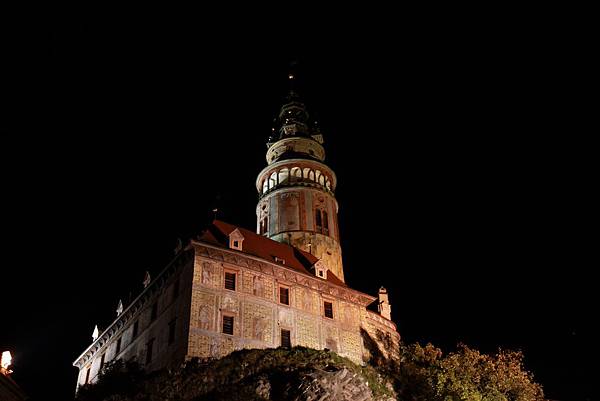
(298, 207)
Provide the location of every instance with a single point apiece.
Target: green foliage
(116, 377)
(465, 375)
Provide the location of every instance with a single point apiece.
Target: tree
(465, 375)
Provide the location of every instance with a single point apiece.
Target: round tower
(297, 204)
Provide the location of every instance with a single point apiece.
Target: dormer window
(320, 270)
(236, 239)
(279, 260)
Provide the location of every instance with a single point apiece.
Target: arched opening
(328, 185)
(273, 180)
(305, 172)
(284, 176)
(311, 175)
(296, 173)
(265, 186)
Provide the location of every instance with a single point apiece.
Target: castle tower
(297, 204)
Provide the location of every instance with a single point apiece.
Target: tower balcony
(298, 173)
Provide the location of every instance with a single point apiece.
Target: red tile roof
(257, 245)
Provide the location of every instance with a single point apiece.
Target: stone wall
(259, 317)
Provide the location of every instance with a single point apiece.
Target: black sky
(465, 185)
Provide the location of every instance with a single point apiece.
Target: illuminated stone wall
(291, 214)
(259, 317)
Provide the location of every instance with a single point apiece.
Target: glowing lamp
(5, 362)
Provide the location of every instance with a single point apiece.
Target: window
(149, 347)
(328, 309)
(176, 289)
(101, 362)
(118, 347)
(286, 340)
(236, 244)
(264, 225)
(87, 376)
(325, 223)
(230, 281)
(284, 295)
(154, 312)
(135, 330)
(318, 219)
(228, 325)
(172, 331)
(320, 273)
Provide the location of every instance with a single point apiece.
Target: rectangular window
(228, 325)
(101, 362)
(118, 347)
(284, 295)
(149, 347)
(172, 331)
(286, 340)
(176, 289)
(230, 281)
(329, 310)
(135, 330)
(154, 312)
(87, 376)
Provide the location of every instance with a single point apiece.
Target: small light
(5, 362)
(291, 76)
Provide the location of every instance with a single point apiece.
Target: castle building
(231, 288)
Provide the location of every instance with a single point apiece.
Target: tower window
(87, 376)
(228, 325)
(172, 331)
(230, 281)
(149, 347)
(286, 339)
(102, 362)
(118, 347)
(264, 225)
(318, 220)
(328, 306)
(325, 223)
(284, 295)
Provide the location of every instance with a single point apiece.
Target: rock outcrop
(298, 374)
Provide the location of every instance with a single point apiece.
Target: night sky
(464, 185)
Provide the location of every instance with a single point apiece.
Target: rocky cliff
(299, 374)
